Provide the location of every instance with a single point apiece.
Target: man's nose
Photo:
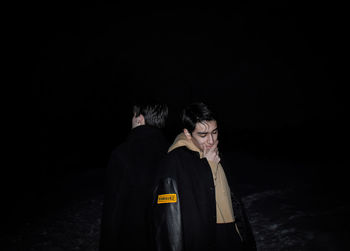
(211, 139)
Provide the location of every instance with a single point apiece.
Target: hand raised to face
(212, 153)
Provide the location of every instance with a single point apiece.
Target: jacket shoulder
(171, 162)
(182, 151)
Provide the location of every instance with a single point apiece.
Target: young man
(195, 206)
(130, 177)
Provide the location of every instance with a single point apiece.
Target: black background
(273, 71)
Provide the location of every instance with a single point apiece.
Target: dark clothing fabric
(130, 176)
(184, 173)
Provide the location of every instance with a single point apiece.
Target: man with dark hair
(129, 180)
(195, 205)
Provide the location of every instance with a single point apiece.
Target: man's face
(204, 135)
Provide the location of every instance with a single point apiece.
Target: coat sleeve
(242, 221)
(243, 224)
(167, 227)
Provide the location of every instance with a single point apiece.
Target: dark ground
(291, 206)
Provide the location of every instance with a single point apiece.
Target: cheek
(202, 140)
(216, 136)
(133, 122)
(198, 142)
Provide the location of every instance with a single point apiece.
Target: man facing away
(195, 206)
(130, 176)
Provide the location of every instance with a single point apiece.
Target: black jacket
(130, 177)
(189, 223)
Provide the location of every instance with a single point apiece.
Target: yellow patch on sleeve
(167, 198)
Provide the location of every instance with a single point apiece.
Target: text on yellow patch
(167, 198)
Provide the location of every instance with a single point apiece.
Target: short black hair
(196, 113)
(154, 114)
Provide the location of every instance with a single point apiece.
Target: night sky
(272, 71)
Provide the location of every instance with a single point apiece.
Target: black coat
(189, 223)
(130, 177)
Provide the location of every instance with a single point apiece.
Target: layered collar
(182, 140)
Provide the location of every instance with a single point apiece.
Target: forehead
(206, 126)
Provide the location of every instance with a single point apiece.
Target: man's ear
(141, 120)
(187, 134)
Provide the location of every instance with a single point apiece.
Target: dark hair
(194, 113)
(154, 114)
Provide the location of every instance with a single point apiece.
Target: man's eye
(215, 132)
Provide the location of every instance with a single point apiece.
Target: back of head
(195, 113)
(154, 114)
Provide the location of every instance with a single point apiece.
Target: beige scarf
(224, 211)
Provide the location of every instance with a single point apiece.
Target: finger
(205, 150)
(214, 147)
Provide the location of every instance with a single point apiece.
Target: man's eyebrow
(207, 132)
(202, 132)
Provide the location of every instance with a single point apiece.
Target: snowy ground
(287, 210)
